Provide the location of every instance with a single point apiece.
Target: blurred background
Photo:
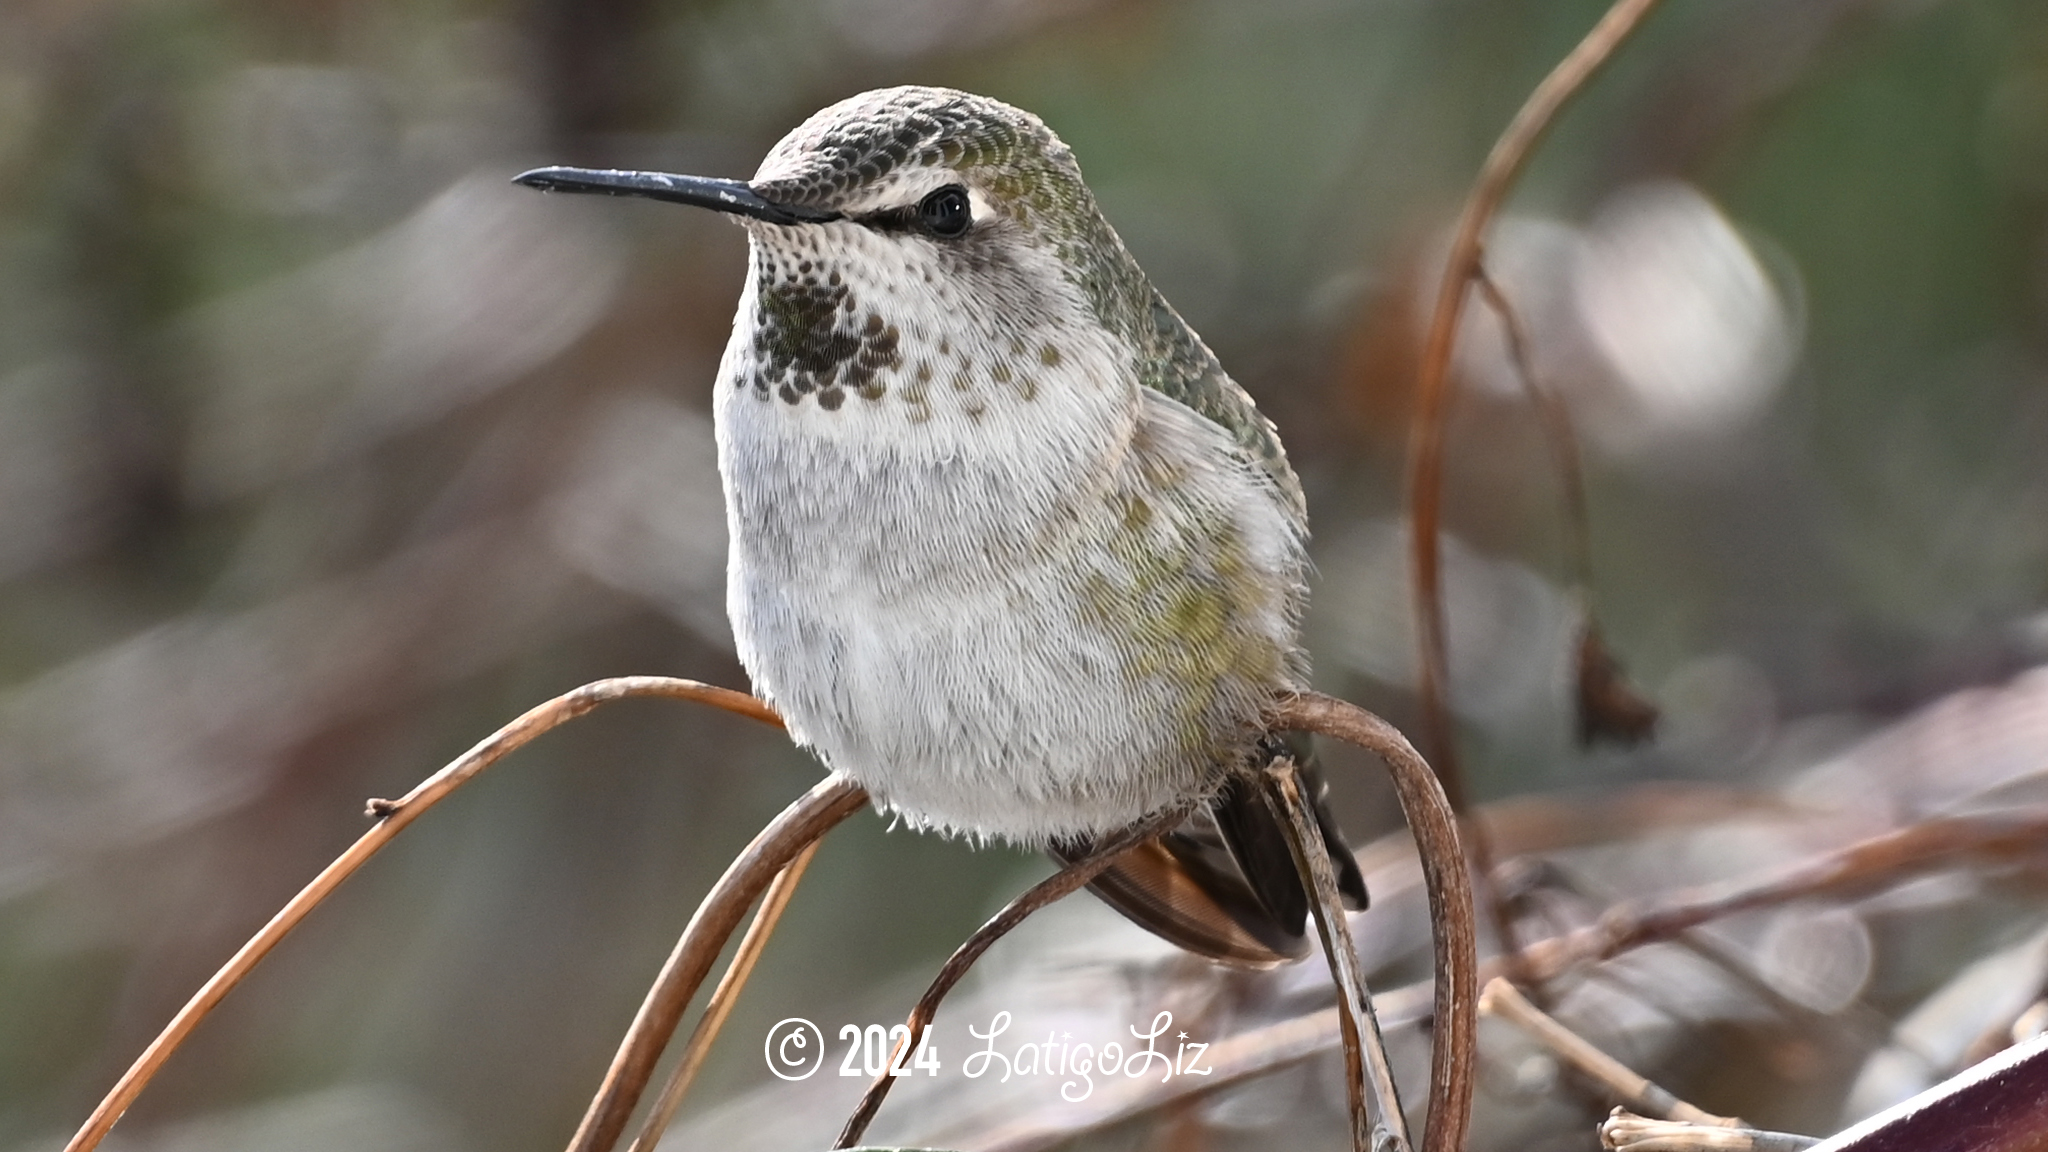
(324, 451)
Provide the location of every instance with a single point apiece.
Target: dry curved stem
(1453, 933)
(1636, 1092)
(1060, 884)
(796, 828)
(1433, 400)
(722, 998)
(392, 818)
(1433, 392)
(1366, 1067)
(1864, 864)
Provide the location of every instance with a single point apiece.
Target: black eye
(946, 212)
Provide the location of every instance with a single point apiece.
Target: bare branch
(832, 800)
(392, 818)
(1890, 858)
(1433, 393)
(1433, 400)
(1556, 420)
(722, 998)
(1365, 1050)
(1062, 883)
(1867, 863)
(1453, 932)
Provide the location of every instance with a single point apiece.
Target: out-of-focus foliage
(323, 451)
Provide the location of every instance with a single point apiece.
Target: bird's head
(910, 219)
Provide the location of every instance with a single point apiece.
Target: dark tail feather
(1258, 842)
(1184, 888)
(1223, 884)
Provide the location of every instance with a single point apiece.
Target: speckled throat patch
(812, 336)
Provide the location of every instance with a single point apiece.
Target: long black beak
(734, 196)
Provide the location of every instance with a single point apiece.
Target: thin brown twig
(1556, 420)
(1867, 863)
(1433, 392)
(392, 818)
(723, 995)
(1887, 858)
(1453, 932)
(1707, 947)
(832, 800)
(1608, 706)
(1060, 884)
(1366, 1068)
(1433, 399)
(1635, 1091)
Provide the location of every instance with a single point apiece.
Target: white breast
(910, 579)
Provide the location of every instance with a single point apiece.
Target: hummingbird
(1008, 546)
